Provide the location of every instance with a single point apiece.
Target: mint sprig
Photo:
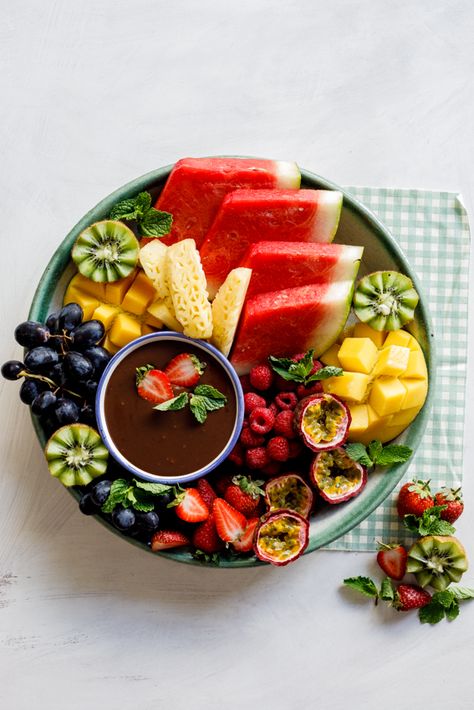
(300, 371)
(139, 495)
(378, 455)
(173, 404)
(150, 222)
(430, 523)
(445, 605)
(204, 399)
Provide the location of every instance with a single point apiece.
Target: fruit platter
(214, 351)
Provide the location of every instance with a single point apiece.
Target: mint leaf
(155, 223)
(432, 613)
(461, 593)
(210, 392)
(375, 449)
(444, 598)
(324, 373)
(392, 453)
(453, 611)
(282, 365)
(156, 489)
(126, 209)
(141, 500)
(387, 592)
(118, 494)
(173, 404)
(142, 203)
(205, 557)
(364, 585)
(204, 399)
(303, 367)
(358, 453)
(429, 523)
(198, 408)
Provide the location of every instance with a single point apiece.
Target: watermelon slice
(249, 216)
(196, 187)
(290, 321)
(292, 264)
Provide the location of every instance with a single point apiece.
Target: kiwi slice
(106, 251)
(437, 560)
(76, 454)
(385, 300)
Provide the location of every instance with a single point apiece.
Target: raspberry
(245, 382)
(296, 448)
(286, 400)
(271, 469)
(284, 424)
(273, 408)
(261, 377)
(312, 388)
(253, 400)
(245, 424)
(261, 420)
(249, 439)
(237, 455)
(278, 448)
(284, 385)
(257, 457)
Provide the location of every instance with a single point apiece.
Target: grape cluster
(61, 368)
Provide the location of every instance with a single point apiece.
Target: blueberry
(99, 357)
(148, 522)
(100, 492)
(66, 411)
(87, 505)
(40, 359)
(70, 316)
(11, 369)
(30, 389)
(43, 402)
(123, 519)
(30, 334)
(162, 501)
(88, 334)
(77, 367)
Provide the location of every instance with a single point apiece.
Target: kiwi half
(106, 251)
(385, 300)
(76, 454)
(437, 560)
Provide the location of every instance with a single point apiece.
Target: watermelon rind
(288, 175)
(328, 215)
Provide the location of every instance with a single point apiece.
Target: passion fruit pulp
(322, 421)
(336, 476)
(281, 537)
(289, 492)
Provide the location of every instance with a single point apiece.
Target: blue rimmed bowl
(359, 226)
(208, 351)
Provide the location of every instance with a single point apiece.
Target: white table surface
(94, 93)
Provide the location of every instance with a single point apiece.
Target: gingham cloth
(433, 231)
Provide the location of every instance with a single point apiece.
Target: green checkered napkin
(433, 230)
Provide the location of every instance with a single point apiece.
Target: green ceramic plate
(357, 226)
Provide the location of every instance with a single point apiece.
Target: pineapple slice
(163, 313)
(152, 257)
(227, 306)
(188, 289)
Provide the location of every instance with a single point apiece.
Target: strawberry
(414, 498)
(207, 492)
(184, 370)
(230, 523)
(452, 498)
(409, 596)
(190, 506)
(164, 539)
(153, 385)
(393, 560)
(222, 482)
(244, 495)
(245, 542)
(205, 536)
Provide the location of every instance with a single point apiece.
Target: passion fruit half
(289, 492)
(322, 421)
(336, 476)
(281, 537)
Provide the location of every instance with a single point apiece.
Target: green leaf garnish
(387, 592)
(364, 585)
(138, 494)
(204, 399)
(429, 523)
(378, 455)
(461, 593)
(393, 453)
(358, 453)
(173, 404)
(205, 557)
(324, 373)
(150, 222)
(156, 489)
(300, 371)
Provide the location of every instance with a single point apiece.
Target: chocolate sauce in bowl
(166, 443)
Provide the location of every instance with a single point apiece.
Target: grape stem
(48, 381)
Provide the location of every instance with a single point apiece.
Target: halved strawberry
(205, 536)
(230, 523)
(190, 506)
(153, 385)
(165, 539)
(393, 560)
(245, 542)
(184, 370)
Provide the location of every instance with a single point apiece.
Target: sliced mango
(350, 386)
(392, 361)
(124, 329)
(387, 395)
(358, 355)
(330, 357)
(362, 330)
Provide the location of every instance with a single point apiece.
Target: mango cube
(350, 385)
(93, 288)
(360, 419)
(330, 356)
(358, 354)
(398, 337)
(393, 361)
(106, 314)
(124, 330)
(416, 367)
(387, 395)
(403, 417)
(139, 295)
(362, 330)
(116, 290)
(86, 302)
(415, 393)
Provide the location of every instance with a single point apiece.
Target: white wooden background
(92, 94)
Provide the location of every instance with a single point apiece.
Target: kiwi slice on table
(437, 560)
(76, 454)
(385, 300)
(106, 251)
